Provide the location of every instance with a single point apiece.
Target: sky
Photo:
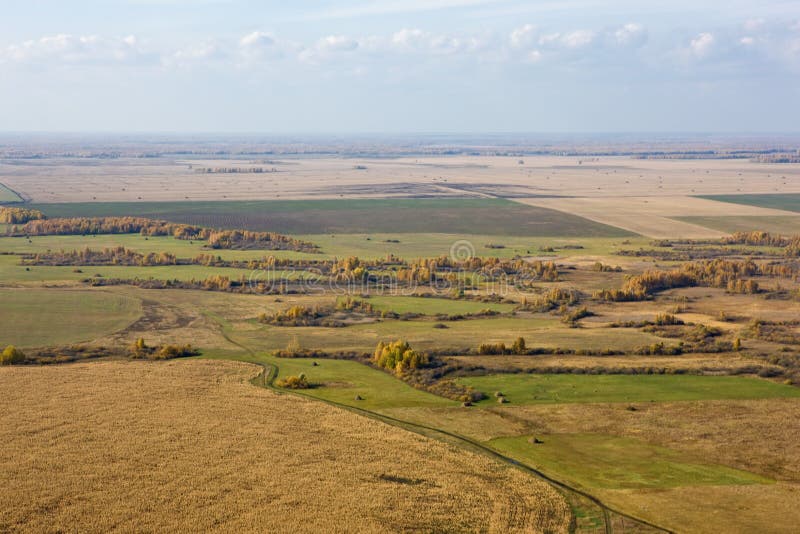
(399, 66)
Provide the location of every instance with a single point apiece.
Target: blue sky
(399, 66)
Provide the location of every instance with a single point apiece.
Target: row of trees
(12, 215)
(218, 239)
(732, 275)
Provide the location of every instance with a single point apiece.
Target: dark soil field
(351, 216)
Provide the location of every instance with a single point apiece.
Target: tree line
(217, 239)
(11, 215)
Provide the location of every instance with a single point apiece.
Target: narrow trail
(270, 372)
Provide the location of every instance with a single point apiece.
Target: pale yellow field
(193, 446)
(165, 179)
(652, 215)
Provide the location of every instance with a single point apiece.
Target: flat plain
(506, 272)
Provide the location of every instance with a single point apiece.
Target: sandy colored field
(65, 180)
(192, 445)
(655, 216)
(764, 508)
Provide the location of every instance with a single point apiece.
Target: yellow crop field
(193, 445)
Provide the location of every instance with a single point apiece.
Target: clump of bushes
(293, 382)
(140, 350)
(11, 355)
(518, 347)
(399, 357)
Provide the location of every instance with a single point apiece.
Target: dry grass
(763, 508)
(191, 445)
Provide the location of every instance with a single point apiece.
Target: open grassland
(459, 335)
(788, 201)
(138, 243)
(602, 461)
(343, 380)
(699, 363)
(11, 271)
(124, 445)
(40, 317)
(546, 389)
(778, 224)
(367, 246)
(486, 216)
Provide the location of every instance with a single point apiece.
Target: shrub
(294, 382)
(11, 355)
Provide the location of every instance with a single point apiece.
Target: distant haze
(399, 66)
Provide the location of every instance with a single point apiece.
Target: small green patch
(344, 381)
(552, 389)
(611, 462)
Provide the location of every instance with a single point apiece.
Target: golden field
(194, 446)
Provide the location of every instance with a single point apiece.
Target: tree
(519, 346)
(11, 355)
(398, 357)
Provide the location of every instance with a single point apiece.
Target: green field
(408, 246)
(458, 336)
(12, 271)
(348, 216)
(136, 242)
(777, 224)
(782, 201)
(342, 380)
(612, 462)
(551, 389)
(434, 306)
(42, 317)
(7, 195)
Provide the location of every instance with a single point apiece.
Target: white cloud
(337, 43)
(702, 45)
(523, 36)
(259, 45)
(71, 49)
(415, 40)
(631, 34)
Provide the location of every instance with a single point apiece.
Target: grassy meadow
(40, 317)
(782, 201)
(545, 389)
